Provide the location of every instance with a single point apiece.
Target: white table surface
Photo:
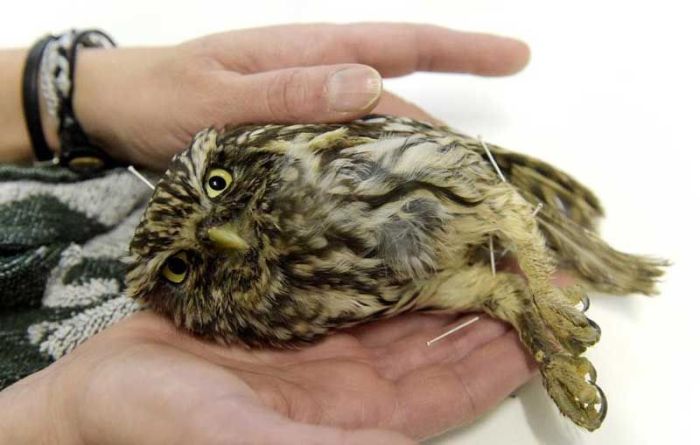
(611, 95)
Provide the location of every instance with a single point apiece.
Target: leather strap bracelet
(51, 67)
(77, 151)
(30, 99)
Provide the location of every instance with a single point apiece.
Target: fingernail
(353, 89)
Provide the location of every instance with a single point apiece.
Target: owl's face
(202, 252)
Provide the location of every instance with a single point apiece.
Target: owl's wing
(539, 181)
(399, 191)
(568, 219)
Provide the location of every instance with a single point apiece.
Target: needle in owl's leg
(493, 258)
(140, 176)
(537, 209)
(452, 331)
(503, 178)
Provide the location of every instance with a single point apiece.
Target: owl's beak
(225, 237)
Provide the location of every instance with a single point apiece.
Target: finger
(394, 49)
(309, 94)
(397, 106)
(437, 398)
(411, 353)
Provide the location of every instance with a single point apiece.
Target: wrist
(14, 144)
(111, 88)
(93, 93)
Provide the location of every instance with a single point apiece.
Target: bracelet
(77, 152)
(54, 67)
(30, 99)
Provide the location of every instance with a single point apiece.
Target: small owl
(277, 234)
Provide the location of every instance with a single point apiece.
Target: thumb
(305, 94)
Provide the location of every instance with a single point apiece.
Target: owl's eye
(175, 269)
(218, 180)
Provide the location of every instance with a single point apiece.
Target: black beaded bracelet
(30, 100)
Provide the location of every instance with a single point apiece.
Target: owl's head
(202, 253)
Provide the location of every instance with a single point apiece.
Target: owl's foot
(556, 335)
(549, 325)
(570, 381)
(573, 329)
(547, 319)
(556, 332)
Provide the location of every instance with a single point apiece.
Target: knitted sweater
(61, 275)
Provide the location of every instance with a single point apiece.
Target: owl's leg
(511, 216)
(569, 379)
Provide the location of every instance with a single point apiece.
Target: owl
(274, 235)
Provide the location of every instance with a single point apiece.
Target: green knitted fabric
(62, 238)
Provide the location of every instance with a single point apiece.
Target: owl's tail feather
(598, 265)
(539, 181)
(568, 219)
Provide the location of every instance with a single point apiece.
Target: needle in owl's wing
(141, 177)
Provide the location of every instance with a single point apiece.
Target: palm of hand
(144, 381)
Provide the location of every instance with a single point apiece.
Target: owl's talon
(577, 397)
(581, 339)
(584, 303)
(603, 409)
(573, 329)
(593, 325)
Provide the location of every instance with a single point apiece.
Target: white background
(611, 95)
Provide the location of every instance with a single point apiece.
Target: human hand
(143, 381)
(145, 104)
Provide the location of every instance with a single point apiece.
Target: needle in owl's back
(143, 179)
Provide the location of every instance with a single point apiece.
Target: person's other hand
(142, 381)
(145, 104)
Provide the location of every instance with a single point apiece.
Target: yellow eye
(218, 180)
(175, 269)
